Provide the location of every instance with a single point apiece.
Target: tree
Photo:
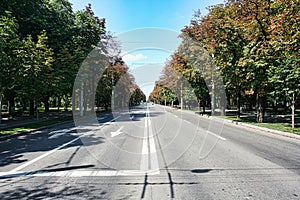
(70, 36)
(36, 69)
(9, 44)
(221, 35)
(285, 73)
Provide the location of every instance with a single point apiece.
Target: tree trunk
(85, 99)
(213, 98)
(73, 100)
(31, 107)
(181, 96)
(93, 93)
(46, 104)
(223, 104)
(260, 109)
(228, 100)
(293, 110)
(81, 100)
(0, 107)
(11, 107)
(24, 104)
(37, 111)
(58, 103)
(238, 102)
(66, 100)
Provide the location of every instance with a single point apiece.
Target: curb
(250, 126)
(6, 137)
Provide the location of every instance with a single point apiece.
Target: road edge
(245, 125)
(250, 126)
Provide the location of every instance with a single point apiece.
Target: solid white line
(42, 156)
(144, 157)
(148, 140)
(80, 173)
(216, 135)
(153, 153)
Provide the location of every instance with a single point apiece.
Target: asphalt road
(150, 152)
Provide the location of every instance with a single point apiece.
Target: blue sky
(124, 15)
(134, 16)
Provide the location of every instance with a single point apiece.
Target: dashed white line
(221, 138)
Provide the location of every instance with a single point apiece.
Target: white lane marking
(144, 157)
(118, 132)
(56, 134)
(42, 156)
(57, 131)
(188, 121)
(153, 153)
(48, 153)
(80, 173)
(221, 138)
(100, 118)
(110, 121)
(148, 148)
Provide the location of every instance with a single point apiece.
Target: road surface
(150, 152)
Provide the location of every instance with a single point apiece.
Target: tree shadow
(13, 150)
(52, 190)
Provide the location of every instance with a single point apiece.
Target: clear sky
(124, 15)
(129, 15)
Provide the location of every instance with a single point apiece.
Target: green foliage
(255, 46)
(9, 46)
(43, 43)
(37, 59)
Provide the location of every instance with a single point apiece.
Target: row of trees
(255, 45)
(42, 45)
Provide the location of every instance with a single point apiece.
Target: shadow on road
(50, 189)
(12, 151)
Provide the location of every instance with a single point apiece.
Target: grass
(275, 126)
(32, 126)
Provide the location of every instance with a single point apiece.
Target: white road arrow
(118, 132)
